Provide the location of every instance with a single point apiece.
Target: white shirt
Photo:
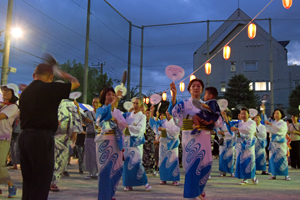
(11, 111)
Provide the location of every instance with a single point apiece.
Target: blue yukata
(196, 155)
(278, 164)
(133, 172)
(109, 145)
(260, 145)
(227, 150)
(168, 149)
(212, 115)
(245, 150)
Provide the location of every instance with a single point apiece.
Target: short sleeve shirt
(11, 112)
(294, 136)
(39, 104)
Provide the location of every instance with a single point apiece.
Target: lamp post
(6, 49)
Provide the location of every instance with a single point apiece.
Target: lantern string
(224, 45)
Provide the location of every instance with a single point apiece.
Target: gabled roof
(284, 43)
(227, 28)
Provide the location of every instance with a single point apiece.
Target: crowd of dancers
(113, 142)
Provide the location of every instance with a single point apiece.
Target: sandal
(13, 168)
(54, 188)
(272, 177)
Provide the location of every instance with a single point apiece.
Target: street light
(6, 49)
(15, 32)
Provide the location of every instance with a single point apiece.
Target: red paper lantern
(251, 31)
(182, 86)
(226, 52)
(164, 96)
(287, 3)
(208, 68)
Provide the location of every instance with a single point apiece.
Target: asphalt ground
(218, 188)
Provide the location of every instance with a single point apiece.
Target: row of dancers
(119, 146)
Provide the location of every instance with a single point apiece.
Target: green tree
(238, 92)
(294, 101)
(96, 81)
(133, 93)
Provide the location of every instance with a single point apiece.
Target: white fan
(223, 104)
(127, 105)
(75, 95)
(252, 112)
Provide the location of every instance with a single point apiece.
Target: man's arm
(74, 82)
(3, 116)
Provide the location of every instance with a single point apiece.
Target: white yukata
(133, 172)
(227, 150)
(260, 145)
(168, 149)
(109, 145)
(278, 164)
(196, 149)
(245, 149)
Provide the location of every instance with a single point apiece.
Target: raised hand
(152, 108)
(174, 91)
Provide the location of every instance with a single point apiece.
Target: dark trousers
(80, 153)
(37, 162)
(295, 154)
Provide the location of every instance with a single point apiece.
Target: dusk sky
(59, 27)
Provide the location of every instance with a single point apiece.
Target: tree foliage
(294, 101)
(96, 81)
(238, 92)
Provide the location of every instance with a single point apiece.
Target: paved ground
(76, 187)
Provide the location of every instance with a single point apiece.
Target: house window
(223, 87)
(232, 66)
(251, 86)
(296, 83)
(250, 66)
(260, 86)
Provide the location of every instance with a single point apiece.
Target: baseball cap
(14, 87)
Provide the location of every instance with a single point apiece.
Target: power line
(53, 19)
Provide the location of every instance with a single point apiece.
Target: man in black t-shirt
(38, 115)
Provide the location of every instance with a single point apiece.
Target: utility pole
(271, 67)
(101, 67)
(207, 52)
(141, 64)
(6, 49)
(129, 62)
(86, 60)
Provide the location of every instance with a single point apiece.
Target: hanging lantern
(208, 68)
(287, 3)
(182, 86)
(226, 52)
(144, 100)
(192, 77)
(251, 31)
(164, 96)
(147, 100)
